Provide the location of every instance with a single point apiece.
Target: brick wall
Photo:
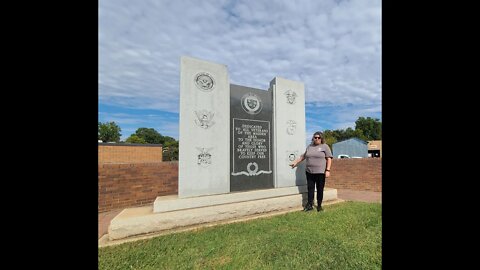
(135, 184)
(129, 153)
(356, 173)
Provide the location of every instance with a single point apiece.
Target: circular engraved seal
(251, 103)
(204, 81)
(255, 168)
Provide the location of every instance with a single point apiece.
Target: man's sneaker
(308, 207)
(319, 208)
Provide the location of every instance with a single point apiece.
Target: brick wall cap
(130, 144)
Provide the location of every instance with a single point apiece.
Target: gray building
(353, 147)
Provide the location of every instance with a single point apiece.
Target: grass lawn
(346, 235)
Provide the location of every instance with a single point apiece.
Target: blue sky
(333, 47)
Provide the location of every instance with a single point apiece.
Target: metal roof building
(353, 147)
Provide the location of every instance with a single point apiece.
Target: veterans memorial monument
(236, 144)
(237, 138)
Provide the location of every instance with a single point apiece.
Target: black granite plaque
(251, 136)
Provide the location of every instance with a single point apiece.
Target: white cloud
(334, 47)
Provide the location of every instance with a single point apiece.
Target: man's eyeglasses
(316, 137)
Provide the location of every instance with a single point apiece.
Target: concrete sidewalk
(343, 194)
(104, 221)
(359, 195)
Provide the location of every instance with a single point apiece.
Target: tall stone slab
(251, 138)
(204, 144)
(289, 131)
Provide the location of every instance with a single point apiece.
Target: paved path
(104, 221)
(344, 194)
(359, 196)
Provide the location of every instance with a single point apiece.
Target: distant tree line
(111, 132)
(367, 129)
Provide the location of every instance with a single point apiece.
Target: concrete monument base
(174, 213)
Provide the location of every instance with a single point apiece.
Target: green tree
(366, 129)
(349, 133)
(171, 143)
(170, 150)
(370, 127)
(340, 134)
(167, 141)
(170, 153)
(150, 135)
(135, 139)
(109, 132)
(329, 137)
(358, 133)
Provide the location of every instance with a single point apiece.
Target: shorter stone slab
(143, 220)
(173, 203)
